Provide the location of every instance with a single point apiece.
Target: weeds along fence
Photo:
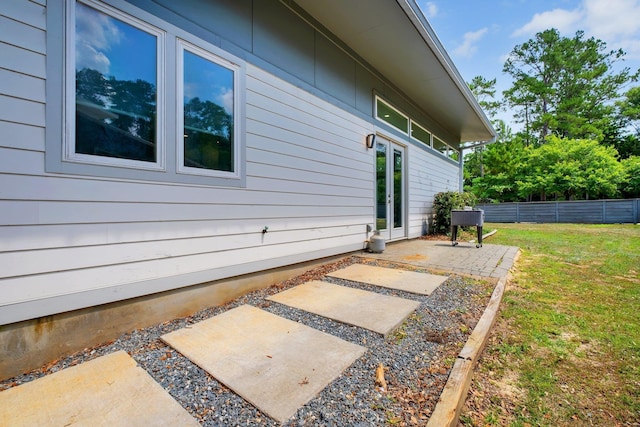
(578, 211)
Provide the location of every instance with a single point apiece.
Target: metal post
(461, 171)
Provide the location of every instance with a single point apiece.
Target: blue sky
(479, 34)
(118, 49)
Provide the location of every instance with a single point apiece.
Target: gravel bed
(418, 357)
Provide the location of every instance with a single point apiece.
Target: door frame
(391, 233)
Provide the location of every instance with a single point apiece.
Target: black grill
(469, 218)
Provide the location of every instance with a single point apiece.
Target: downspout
(461, 163)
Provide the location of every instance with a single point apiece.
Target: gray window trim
(57, 121)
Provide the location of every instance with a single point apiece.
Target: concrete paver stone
(274, 363)
(464, 258)
(109, 391)
(408, 281)
(369, 310)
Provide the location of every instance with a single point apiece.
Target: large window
(143, 99)
(207, 112)
(116, 72)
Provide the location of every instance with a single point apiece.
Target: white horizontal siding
(66, 258)
(22, 86)
(18, 34)
(69, 282)
(309, 169)
(71, 189)
(309, 179)
(429, 173)
(19, 110)
(31, 237)
(18, 135)
(39, 212)
(22, 61)
(26, 12)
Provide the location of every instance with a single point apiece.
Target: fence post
(517, 212)
(604, 211)
(557, 212)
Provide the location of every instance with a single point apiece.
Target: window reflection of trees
(208, 132)
(115, 118)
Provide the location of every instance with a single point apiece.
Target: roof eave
(422, 70)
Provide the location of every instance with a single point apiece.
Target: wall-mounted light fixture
(371, 140)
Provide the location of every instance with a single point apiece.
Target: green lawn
(566, 349)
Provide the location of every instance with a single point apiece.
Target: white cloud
(432, 9)
(616, 23)
(96, 33)
(560, 19)
(613, 21)
(89, 57)
(225, 98)
(468, 47)
(429, 8)
(612, 18)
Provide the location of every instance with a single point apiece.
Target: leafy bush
(631, 186)
(443, 203)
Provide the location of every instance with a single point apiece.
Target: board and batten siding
(68, 242)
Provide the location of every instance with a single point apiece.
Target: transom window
(439, 145)
(387, 113)
(392, 116)
(420, 133)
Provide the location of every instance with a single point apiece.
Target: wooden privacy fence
(578, 211)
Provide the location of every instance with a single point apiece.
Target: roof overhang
(395, 38)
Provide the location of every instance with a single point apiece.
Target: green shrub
(443, 204)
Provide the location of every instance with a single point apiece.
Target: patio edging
(449, 405)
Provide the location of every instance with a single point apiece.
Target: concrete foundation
(29, 345)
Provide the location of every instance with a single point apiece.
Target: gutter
(479, 144)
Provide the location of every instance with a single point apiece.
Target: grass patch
(569, 328)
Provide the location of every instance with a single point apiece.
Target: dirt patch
(416, 257)
(494, 396)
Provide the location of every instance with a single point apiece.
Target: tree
(208, 135)
(564, 86)
(630, 107)
(570, 169)
(485, 91)
(630, 187)
(629, 115)
(502, 164)
(115, 118)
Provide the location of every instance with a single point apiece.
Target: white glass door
(390, 189)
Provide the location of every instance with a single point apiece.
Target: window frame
(415, 124)
(70, 154)
(445, 146)
(181, 47)
(60, 106)
(391, 107)
(445, 150)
